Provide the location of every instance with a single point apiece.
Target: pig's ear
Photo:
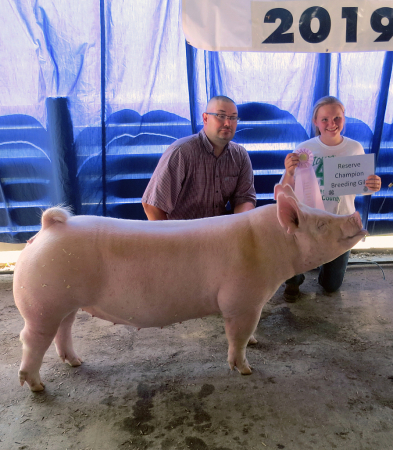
(286, 189)
(288, 212)
(277, 189)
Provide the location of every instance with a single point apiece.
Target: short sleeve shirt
(190, 182)
(345, 204)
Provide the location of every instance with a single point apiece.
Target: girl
(328, 119)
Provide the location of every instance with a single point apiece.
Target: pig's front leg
(239, 331)
(63, 341)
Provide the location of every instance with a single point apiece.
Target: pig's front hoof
(74, 362)
(243, 368)
(35, 385)
(70, 357)
(252, 341)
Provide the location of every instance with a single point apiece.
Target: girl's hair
(328, 100)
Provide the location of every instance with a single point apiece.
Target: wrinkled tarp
(128, 85)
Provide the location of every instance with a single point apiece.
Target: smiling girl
(329, 120)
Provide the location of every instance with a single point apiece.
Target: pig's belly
(142, 315)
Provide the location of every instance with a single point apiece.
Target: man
(197, 175)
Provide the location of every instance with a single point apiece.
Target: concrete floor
(322, 379)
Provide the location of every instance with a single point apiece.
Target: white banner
(289, 25)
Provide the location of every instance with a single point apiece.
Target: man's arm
(165, 184)
(243, 207)
(154, 213)
(244, 197)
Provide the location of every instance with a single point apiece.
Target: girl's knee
(330, 285)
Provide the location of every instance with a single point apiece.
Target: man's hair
(220, 98)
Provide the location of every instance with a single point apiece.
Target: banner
(289, 26)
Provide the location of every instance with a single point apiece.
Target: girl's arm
(291, 162)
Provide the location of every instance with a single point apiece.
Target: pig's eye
(321, 225)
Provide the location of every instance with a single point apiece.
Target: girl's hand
(291, 162)
(373, 182)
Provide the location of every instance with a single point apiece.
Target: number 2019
(350, 14)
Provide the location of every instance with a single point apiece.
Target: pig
(153, 274)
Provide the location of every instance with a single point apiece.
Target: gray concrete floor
(322, 378)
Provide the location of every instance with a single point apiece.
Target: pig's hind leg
(63, 341)
(36, 339)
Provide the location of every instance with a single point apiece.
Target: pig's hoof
(74, 362)
(35, 386)
(246, 371)
(252, 341)
(69, 356)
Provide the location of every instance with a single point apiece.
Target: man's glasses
(223, 117)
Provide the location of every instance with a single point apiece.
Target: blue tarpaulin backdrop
(91, 94)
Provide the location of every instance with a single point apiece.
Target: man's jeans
(331, 275)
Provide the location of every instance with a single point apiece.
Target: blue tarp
(91, 94)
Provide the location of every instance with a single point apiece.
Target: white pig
(153, 274)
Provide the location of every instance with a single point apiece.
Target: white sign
(348, 174)
(289, 26)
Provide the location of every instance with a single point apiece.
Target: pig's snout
(353, 227)
(356, 221)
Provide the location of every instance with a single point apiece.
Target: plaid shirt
(189, 182)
